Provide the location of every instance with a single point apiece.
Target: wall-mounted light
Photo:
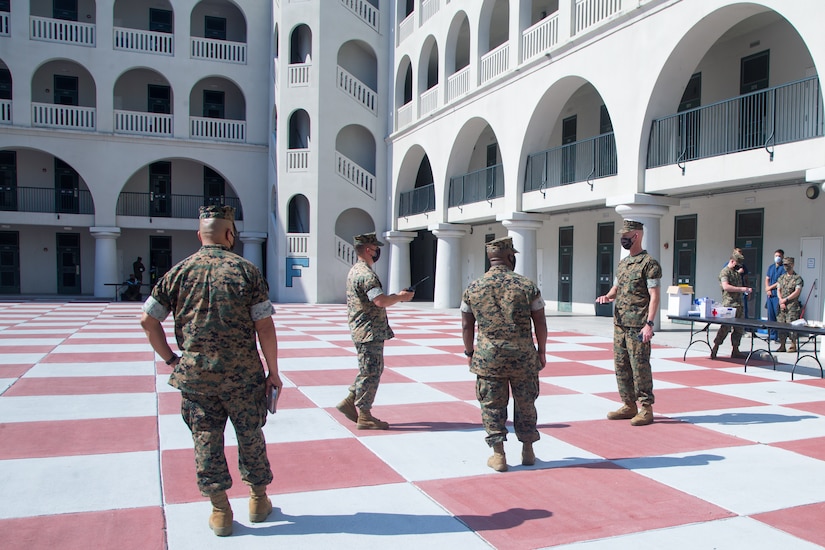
(812, 192)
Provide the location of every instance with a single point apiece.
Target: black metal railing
(583, 160)
(482, 185)
(47, 200)
(419, 200)
(783, 114)
(155, 205)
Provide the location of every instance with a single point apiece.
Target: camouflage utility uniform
(634, 276)
(731, 299)
(788, 283)
(369, 328)
(215, 297)
(505, 356)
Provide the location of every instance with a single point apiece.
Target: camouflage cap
(788, 260)
(217, 211)
(738, 257)
(630, 225)
(504, 244)
(366, 238)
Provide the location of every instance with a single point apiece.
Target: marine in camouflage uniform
(789, 287)
(219, 301)
(636, 292)
(369, 328)
(732, 296)
(504, 304)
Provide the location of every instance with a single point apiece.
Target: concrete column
(252, 249)
(448, 264)
(105, 259)
(649, 210)
(522, 228)
(399, 242)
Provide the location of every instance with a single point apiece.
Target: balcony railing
(406, 27)
(344, 251)
(458, 83)
(783, 114)
(355, 174)
(482, 185)
(218, 50)
(136, 40)
(66, 117)
(220, 129)
(540, 38)
(428, 9)
(404, 117)
(5, 111)
(418, 201)
(5, 29)
(46, 200)
(590, 12)
(154, 205)
(428, 101)
(297, 244)
(298, 74)
(297, 160)
(584, 160)
(144, 124)
(47, 29)
(494, 63)
(365, 11)
(357, 90)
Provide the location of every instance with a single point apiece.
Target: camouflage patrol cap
(504, 244)
(366, 238)
(217, 211)
(630, 225)
(788, 260)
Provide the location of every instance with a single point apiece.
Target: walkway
(93, 453)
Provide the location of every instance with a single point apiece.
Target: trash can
(679, 299)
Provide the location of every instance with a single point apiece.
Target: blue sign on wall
(292, 265)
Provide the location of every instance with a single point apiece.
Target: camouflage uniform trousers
(723, 331)
(632, 360)
(791, 313)
(370, 368)
(206, 417)
(493, 395)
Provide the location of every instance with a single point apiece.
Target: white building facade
(439, 124)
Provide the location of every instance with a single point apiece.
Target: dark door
(565, 269)
(753, 109)
(749, 227)
(65, 90)
(568, 154)
(684, 250)
(68, 263)
(606, 237)
(9, 262)
(66, 188)
(159, 99)
(492, 160)
(160, 20)
(160, 257)
(8, 180)
(214, 27)
(422, 255)
(5, 84)
(64, 9)
(213, 104)
(689, 122)
(214, 187)
(160, 189)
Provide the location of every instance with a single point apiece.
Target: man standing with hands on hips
(636, 291)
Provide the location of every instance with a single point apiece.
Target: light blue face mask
(777, 259)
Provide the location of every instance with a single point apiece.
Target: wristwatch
(649, 323)
(172, 359)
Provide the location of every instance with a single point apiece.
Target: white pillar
(522, 228)
(399, 258)
(252, 249)
(448, 264)
(105, 259)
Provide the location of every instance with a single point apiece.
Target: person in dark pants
(132, 291)
(138, 268)
(774, 271)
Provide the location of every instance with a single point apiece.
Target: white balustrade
(458, 83)
(47, 29)
(145, 124)
(494, 63)
(136, 40)
(404, 117)
(355, 174)
(218, 50)
(406, 27)
(345, 252)
(297, 244)
(220, 129)
(365, 11)
(298, 74)
(5, 111)
(428, 102)
(428, 9)
(297, 160)
(539, 38)
(67, 117)
(5, 29)
(357, 90)
(591, 12)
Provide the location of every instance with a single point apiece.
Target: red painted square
(814, 447)
(337, 377)
(14, 371)
(82, 385)
(682, 400)
(546, 388)
(616, 439)
(594, 355)
(433, 360)
(816, 407)
(78, 437)
(466, 391)
(540, 508)
(816, 382)
(315, 352)
(571, 368)
(804, 522)
(420, 417)
(561, 337)
(127, 529)
(169, 402)
(107, 357)
(706, 377)
(26, 349)
(297, 467)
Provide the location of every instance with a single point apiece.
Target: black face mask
(627, 242)
(376, 255)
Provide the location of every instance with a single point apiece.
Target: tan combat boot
(221, 519)
(347, 407)
(736, 354)
(644, 417)
(528, 456)
(628, 410)
(259, 504)
(498, 461)
(714, 350)
(782, 345)
(366, 421)
(792, 345)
